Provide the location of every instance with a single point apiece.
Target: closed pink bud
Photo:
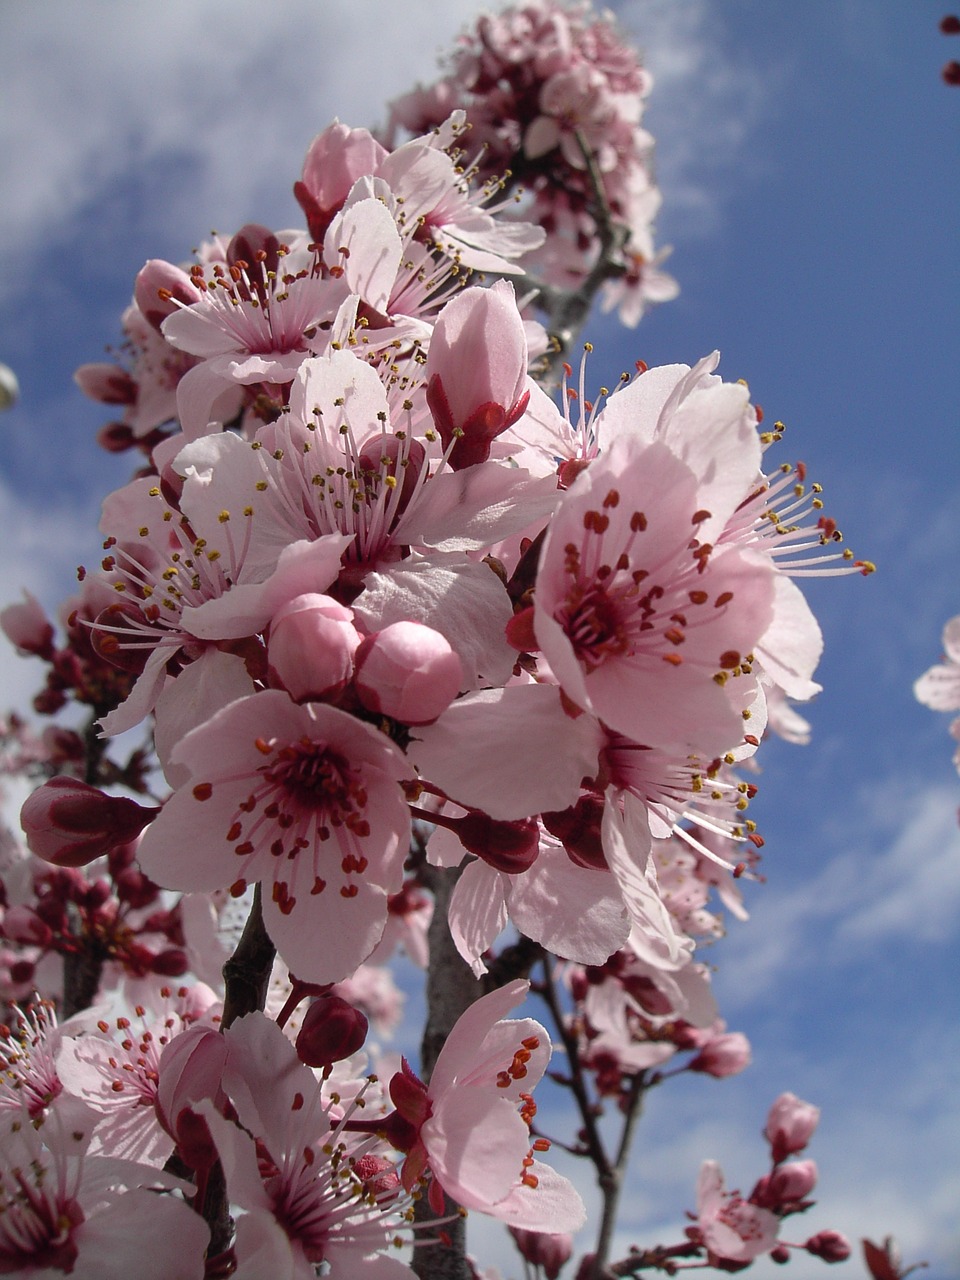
(106, 383)
(788, 1184)
(312, 645)
(334, 161)
(26, 626)
(159, 287)
(544, 1250)
(790, 1125)
(409, 672)
(69, 823)
(794, 1180)
(476, 371)
(190, 1069)
(723, 1055)
(831, 1246)
(332, 1029)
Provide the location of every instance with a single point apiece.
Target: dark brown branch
(246, 974)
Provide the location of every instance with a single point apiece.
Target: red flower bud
(69, 823)
(331, 1030)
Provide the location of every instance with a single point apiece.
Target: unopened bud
(476, 371)
(22, 924)
(190, 1069)
(332, 1029)
(544, 1250)
(106, 383)
(409, 672)
(790, 1125)
(510, 847)
(831, 1246)
(69, 823)
(724, 1055)
(788, 1184)
(26, 626)
(312, 646)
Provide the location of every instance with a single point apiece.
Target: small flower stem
(576, 1083)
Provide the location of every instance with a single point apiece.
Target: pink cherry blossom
(641, 621)
(304, 798)
(63, 1211)
(731, 1228)
(469, 1128)
(310, 1191)
(115, 1069)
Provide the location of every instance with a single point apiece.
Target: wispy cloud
(218, 98)
(196, 113)
(706, 102)
(895, 878)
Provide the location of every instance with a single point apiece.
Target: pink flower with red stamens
(470, 1127)
(303, 798)
(643, 621)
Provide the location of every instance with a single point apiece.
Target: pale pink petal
(367, 231)
(201, 689)
(554, 1205)
(511, 752)
(152, 1237)
(473, 508)
(791, 646)
(626, 846)
(142, 698)
(325, 938)
(304, 567)
(263, 1248)
(457, 1054)
(477, 912)
(575, 912)
(476, 1142)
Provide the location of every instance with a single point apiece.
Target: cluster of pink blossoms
(395, 620)
(554, 98)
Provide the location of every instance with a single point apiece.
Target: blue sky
(808, 157)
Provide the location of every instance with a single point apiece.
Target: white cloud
(210, 104)
(706, 101)
(225, 94)
(896, 878)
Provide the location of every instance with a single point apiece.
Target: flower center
(317, 778)
(594, 622)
